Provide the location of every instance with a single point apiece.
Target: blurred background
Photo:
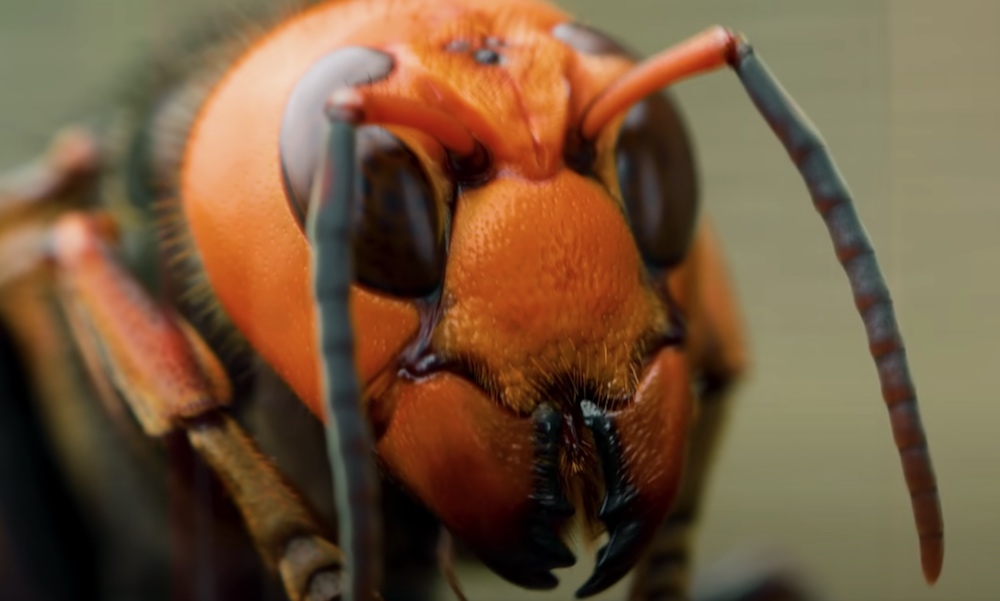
(906, 94)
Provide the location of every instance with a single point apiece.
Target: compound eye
(657, 180)
(304, 121)
(397, 229)
(398, 232)
(588, 40)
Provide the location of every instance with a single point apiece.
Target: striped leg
(141, 352)
(171, 380)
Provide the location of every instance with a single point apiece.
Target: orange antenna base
(354, 106)
(710, 50)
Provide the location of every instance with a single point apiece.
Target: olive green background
(906, 93)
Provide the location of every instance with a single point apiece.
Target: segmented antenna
(714, 48)
(832, 199)
(349, 441)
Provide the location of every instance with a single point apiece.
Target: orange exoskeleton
(464, 234)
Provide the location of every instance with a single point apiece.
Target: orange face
(518, 336)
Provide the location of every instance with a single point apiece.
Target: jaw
(495, 480)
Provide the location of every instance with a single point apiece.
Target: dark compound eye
(657, 180)
(399, 245)
(588, 40)
(397, 232)
(304, 120)
(653, 160)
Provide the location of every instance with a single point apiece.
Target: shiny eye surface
(303, 123)
(398, 237)
(657, 179)
(588, 40)
(397, 230)
(397, 227)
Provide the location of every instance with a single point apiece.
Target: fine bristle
(145, 138)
